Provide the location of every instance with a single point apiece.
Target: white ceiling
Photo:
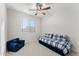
(24, 7)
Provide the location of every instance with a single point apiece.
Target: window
(28, 25)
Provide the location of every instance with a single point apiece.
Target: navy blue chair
(15, 44)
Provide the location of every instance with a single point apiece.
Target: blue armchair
(15, 44)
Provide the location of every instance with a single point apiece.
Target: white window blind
(28, 25)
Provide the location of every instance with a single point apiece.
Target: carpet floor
(35, 49)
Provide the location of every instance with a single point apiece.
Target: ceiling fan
(41, 8)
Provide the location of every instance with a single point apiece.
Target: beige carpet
(34, 49)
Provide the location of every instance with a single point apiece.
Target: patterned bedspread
(59, 41)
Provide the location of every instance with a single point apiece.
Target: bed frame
(53, 48)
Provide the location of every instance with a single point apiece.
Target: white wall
(65, 21)
(3, 35)
(0, 34)
(14, 26)
(76, 40)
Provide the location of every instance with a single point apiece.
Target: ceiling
(24, 7)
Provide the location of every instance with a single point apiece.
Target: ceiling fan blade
(39, 5)
(42, 13)
(46, 8)
(35, 13)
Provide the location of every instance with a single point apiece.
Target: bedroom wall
(14, 26)
(65, 21)
(77, 27)
(3, 28)
(0, 34)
